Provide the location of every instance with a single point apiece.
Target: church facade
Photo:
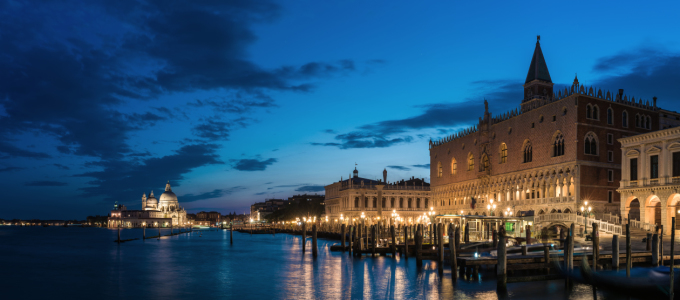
(162, 212)
(554, 153)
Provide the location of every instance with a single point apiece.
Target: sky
(235, 102)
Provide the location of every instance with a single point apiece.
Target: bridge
(610, 224)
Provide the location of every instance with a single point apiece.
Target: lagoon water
(78, 263)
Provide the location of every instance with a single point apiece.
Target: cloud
(216, 193)
(239, 104)
(218, 130)
(252, 164)
(642, 73)
(400, 168)
(11, 151)
(426, 166)
(46, 183)
(502, 96)
(10, 169)
(260, 193)
(60, 166)
(311, 188)
(120, 179)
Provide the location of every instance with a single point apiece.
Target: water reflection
(80, 261)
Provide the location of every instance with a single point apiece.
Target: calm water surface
(77, 263)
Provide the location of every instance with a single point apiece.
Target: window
(439, 169)
(624, 119)
(409, 202)
(610, 116)
(676, 164)
(540, 119)
(454, 166)
(633, 169)
(427, 202)
(610, 156)
(610, 197)
(366, 202)
(558, 145)
(610, 139)
(527, 152)
(401, 202)
(554, 118)
(356, 202)
(596, 114)
(610, 175)
(383, 202)
(391, 202)
(590, 144)
(485, 162)
(649, 122)
(471, 162)
(637, 120)
(589, 112)
(654, 166)
(504, 153)
(532, 124)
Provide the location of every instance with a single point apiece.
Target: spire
(385, 175)
(356, 172)
(538, 70)
(167, 187)
(151, 195)
(575, 80)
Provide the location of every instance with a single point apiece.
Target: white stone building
(163, 212)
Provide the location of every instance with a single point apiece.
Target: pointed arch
(558, 144)
(527, 152)
(504, 153)
(591, 143)
(596, 113)
(649, 122)
(610, 116)
(454, 166)
(624, 119)
(637, 120)
(471, 162)
(589, 111)
(485, 162)
(439, 169)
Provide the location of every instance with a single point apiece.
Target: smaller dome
(151, 200)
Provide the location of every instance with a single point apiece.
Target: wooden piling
(452, 249)
(672, 291)
(629, 250)
(596, 245)
(440, 252)
(501, 273)
(457, 238)
(467, 232)
(649, 242)
(118, 233)
(419, 246)
(394, 241)
(304, 236)
(494, 234)
(159, 231)
(143, 232)
(655, 250)
(528, 234)
(524, 249)
(352, 231)
(572, 233)
(231, 234)
(406, 229)
(660, 245)
(373, 239)
(342, 237)
(314, 248)
(615, 252)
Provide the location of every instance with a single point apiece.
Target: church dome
(168, 195)
(151, 200)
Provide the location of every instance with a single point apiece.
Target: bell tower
(538, 85)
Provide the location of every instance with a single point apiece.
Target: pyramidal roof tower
(538, 85)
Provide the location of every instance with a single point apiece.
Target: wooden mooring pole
(672, 291)
(394, 241)
(629, 250)
(453, 243)
(501, 273)
(405, 253)
(615, 252)
(304, 236)
(119, 233)
(314, 248)
(546, 258)
(440, 253)
(351, 239)
(143, 232)
(655, 250)
(596, 245)
(231, 234)
(374, 239)
(649, 242)
(419, 246)
(342, 237)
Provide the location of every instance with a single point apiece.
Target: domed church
(163, 212)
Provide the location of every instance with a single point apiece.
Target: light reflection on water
(79, 262)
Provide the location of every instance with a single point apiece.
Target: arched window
(383, 202)
(637, 120)
(504, 153)
(558, 145)
(610, 116)
(643, 121)
(589, 112)
(528, 155)
(365, 201)
(375, 202)
(624, 119)
(649, 122)
(356, 202)
(439, 169)
(427, 202)
(590, 144)
(485, 162)
(596, 113)
(401, 202)
(471, 162)
(392, 202)
(454, 166)
(417, 202)
(409, 202)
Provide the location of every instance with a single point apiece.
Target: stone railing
(581, 220)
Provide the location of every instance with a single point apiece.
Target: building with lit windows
(163, 212)
(557, 150)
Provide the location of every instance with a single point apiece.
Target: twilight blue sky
(238, 101)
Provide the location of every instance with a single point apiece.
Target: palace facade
(163, 212)
(558, 150)
(346, 200)
(650, 185)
